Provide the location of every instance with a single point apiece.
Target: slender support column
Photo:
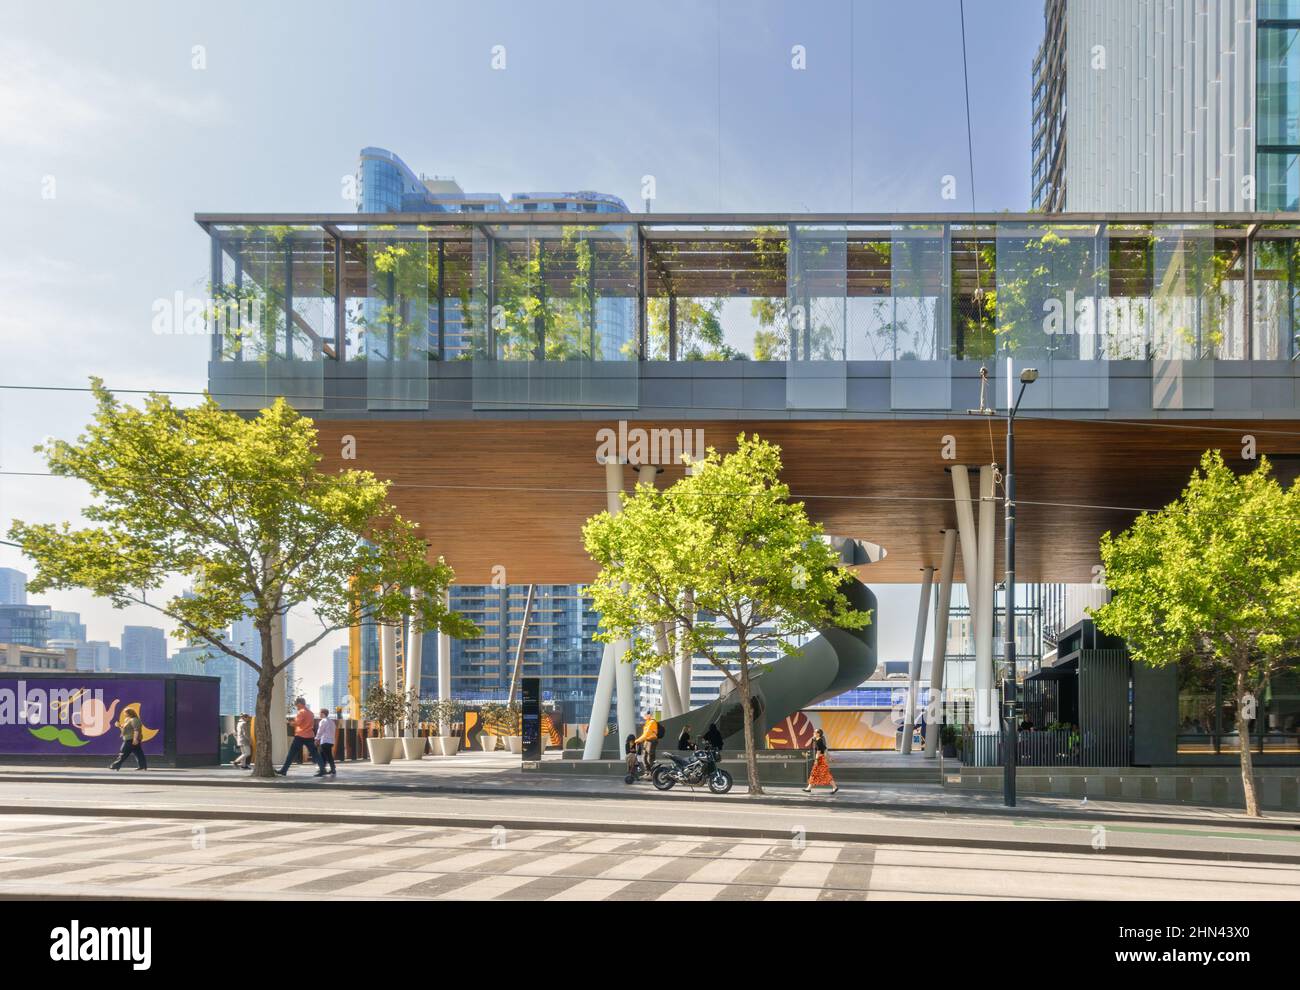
(612, 670)
(685, 660)
(918, 650)
(667, 674)
(414, 657)
(279, 704)
(519, 647)
(969, 542)
(444, 666)
(388, 664)
(985, 705)
(939, 655)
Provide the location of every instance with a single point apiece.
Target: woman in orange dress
(821, 771)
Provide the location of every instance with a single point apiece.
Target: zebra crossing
(240, 859)
(59, 856)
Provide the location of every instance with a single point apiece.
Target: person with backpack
(651, 733)
(132, 741)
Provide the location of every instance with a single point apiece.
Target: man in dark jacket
(713, 738)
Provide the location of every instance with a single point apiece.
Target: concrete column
(444, 666)
(969, 541)
(279, 704)
(918, 649)
(388, 664)
(939, 655)
(668, 674)
(684, 662)
(985, 709)
(414, 656)
(610, 672)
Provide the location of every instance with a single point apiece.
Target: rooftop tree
(237, 507)
(730, 534)
(1213, 580)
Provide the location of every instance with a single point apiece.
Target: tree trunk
(263, 765)
(1243, 747)
(751, 760)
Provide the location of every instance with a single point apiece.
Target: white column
(918, 649)
(685, 660)
(279, 705)
(414, 656)
(610, 674)
(985, 709)
(969, 542)
(667, 674)
(388, 664)
(600, 706)
(444, 665)
(939, 655)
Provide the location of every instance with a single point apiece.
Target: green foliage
(729, 534)
(1213, 578)
(1213, 581)
(388, 708)
(237, 507)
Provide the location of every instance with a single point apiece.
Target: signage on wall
(67, 716)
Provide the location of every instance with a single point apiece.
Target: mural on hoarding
(848, 728)
(63, 716)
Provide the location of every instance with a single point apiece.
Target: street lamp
(1027, 378)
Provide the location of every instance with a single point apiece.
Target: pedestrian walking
(304, 735)
(326, 733)
(132, 741)
(244, 740)
(821, 771)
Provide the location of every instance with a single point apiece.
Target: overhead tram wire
(602, 492)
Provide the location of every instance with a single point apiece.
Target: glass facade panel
(1277, 107)
(272, 316)
(1188, 313)
(555, 317)
(817, 318)
(1051, 281)
(395, 318)
(1274, 336)
(920, 318)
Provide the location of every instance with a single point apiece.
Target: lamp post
(1011, 735)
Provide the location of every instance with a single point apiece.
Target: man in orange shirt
(304, 734)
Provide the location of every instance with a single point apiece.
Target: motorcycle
(700, 768)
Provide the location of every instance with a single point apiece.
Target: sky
(118, 122)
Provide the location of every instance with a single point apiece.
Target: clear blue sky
(100, 104)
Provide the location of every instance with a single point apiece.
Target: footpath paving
(483, 775)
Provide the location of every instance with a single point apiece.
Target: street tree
(730, 535)
(238, 508)
(1213, 580)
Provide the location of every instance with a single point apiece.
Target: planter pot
(950, 752)
(489, 743)
(515, 744)
(445, 745)
(381, 749)
(413, 747)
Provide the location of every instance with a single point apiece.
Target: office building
(1168, 106)
(13, 587)
(25, 625)
(17, 658)
(144, 649)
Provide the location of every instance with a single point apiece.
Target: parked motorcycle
(699, 768)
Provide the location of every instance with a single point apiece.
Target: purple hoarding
(197, 704)
(58, 716)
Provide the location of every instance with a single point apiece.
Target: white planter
(515, 744)
(413, 747)
(445, 745)
(489, 743)
(381, 749)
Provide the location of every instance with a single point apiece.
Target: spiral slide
(836, 661)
